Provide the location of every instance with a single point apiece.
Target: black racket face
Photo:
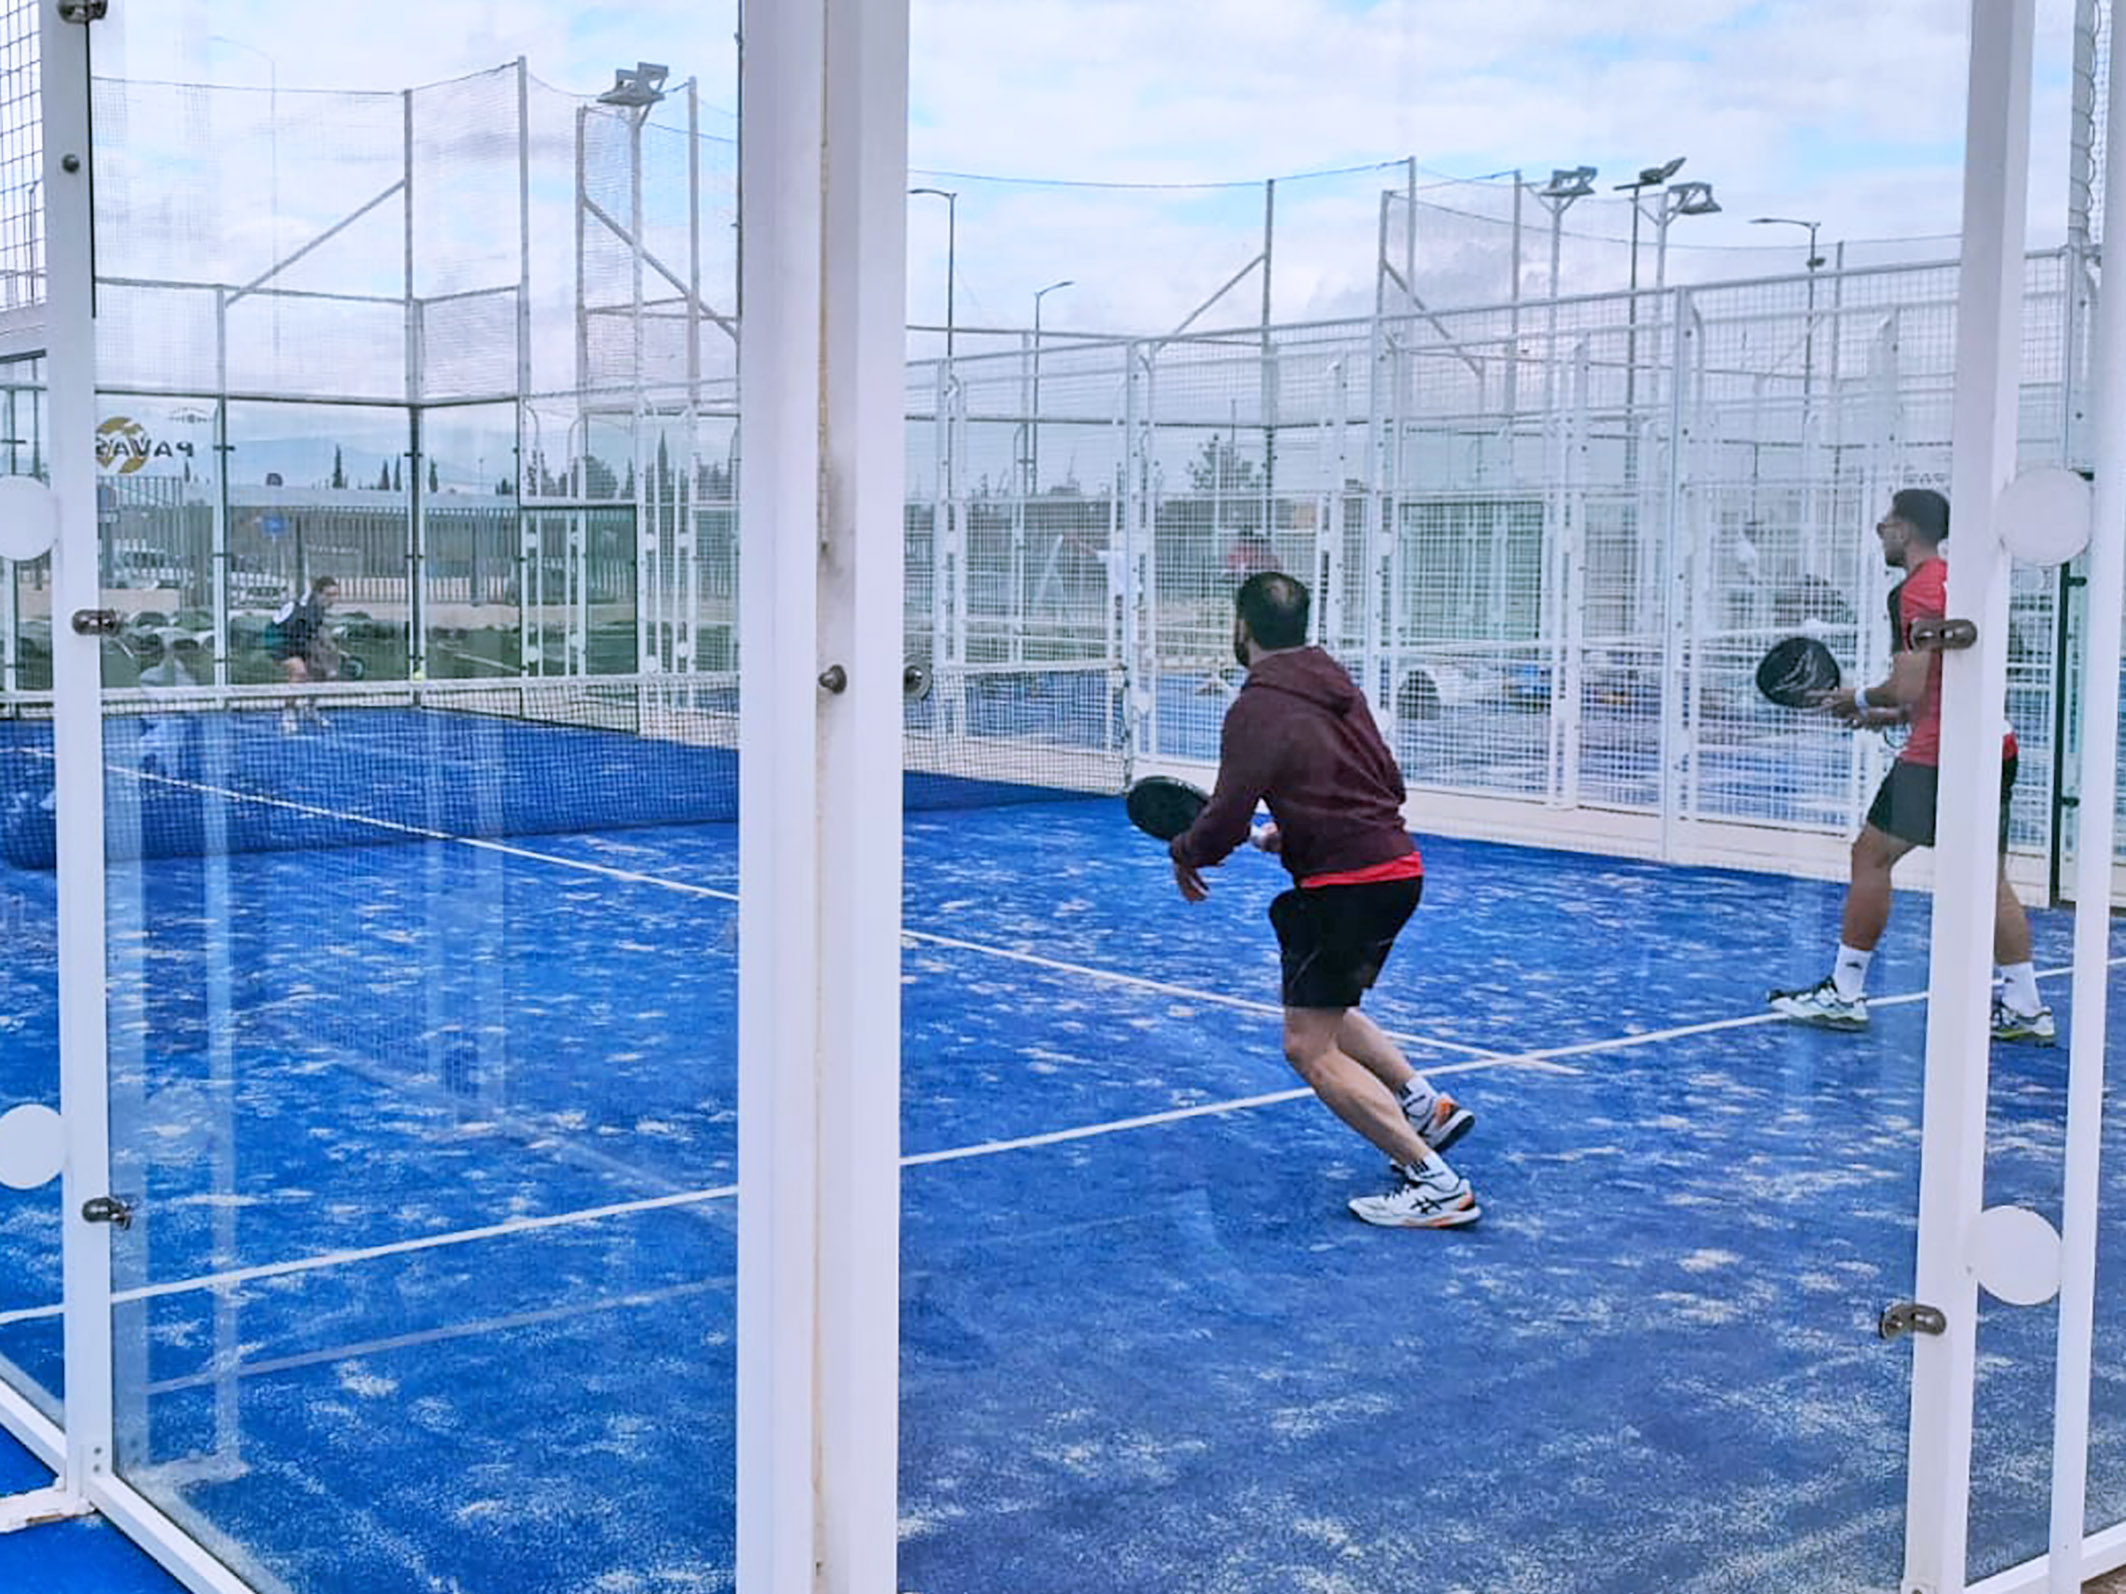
(1163, 807)
(1797, 671)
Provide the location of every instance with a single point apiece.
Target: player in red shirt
(1902, 815)
(1301, 738)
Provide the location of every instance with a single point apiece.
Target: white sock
(1431, 1166)
(2019, 987)
(1849, 975)
(1418, 1097)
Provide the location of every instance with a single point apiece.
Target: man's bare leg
(1346, 1086)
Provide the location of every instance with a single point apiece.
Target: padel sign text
(125, 446)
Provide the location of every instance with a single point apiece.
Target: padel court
(430, 1133)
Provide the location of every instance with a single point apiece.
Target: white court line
(717, 894)
(991, 1148)
(371, 1253)
(1211, 998)
(1543, 1059)
(516, 1226)
(433, 1336)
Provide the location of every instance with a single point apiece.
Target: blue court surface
(433, 1284)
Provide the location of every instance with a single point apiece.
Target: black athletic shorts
(1904, 807)
(1335, 938)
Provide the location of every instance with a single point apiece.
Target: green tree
(383, 477)
(1219, 467)
(339, 468)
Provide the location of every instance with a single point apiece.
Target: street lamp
(636, 91)
(1649, 177)
(1566, 184)
(1815, 261)
(1815, 264)
(1033, 449)
(952, 234)
(1679, 199)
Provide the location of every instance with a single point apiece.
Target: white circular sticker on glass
(29, 518)
(2016, 1254)
(2045, 515)
(32, 1147)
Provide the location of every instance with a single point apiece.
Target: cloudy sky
(1849, 115)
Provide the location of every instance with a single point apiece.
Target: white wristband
(1860, 698)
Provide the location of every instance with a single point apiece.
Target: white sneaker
(1821, 1005)
(289, 723)
(1423, 1200)
(2032, 1029)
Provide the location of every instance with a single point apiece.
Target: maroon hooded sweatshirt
(1301, 737)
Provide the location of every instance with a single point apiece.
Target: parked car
(147, 568)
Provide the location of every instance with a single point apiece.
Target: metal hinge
(114, 1210)
(1909, 1317)
(96, 622)
(1943, 636)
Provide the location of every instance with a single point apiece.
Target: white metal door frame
(1952, 1156)
(2072, 1554)
(822, 384)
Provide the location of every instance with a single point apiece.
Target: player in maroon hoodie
(1301, 738)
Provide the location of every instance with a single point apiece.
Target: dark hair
(320, 583)
(1275, 608)
(1924, 510)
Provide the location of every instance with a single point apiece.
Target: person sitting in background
(163, 665)
(300, 641)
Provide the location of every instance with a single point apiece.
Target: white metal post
(416, 380)
(1983, 434)
(1144, 572)
(1513, 335)
(77, 736)
(686, 486)
(1571, 691)
(2096, 836)
(821, 379)
(1125, 589)
(860, 577)
(529, 468)
(1678, 669)
(779, 792)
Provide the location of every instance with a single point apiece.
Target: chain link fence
(1551, 539)
(477, 354)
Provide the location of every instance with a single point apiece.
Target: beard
(1240, 649)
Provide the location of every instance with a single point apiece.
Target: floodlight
(636, 88)
(1692, 199)
(1573, 182)
(1655, 176)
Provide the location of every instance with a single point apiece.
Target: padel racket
(1164, 807)
(1797, 672)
